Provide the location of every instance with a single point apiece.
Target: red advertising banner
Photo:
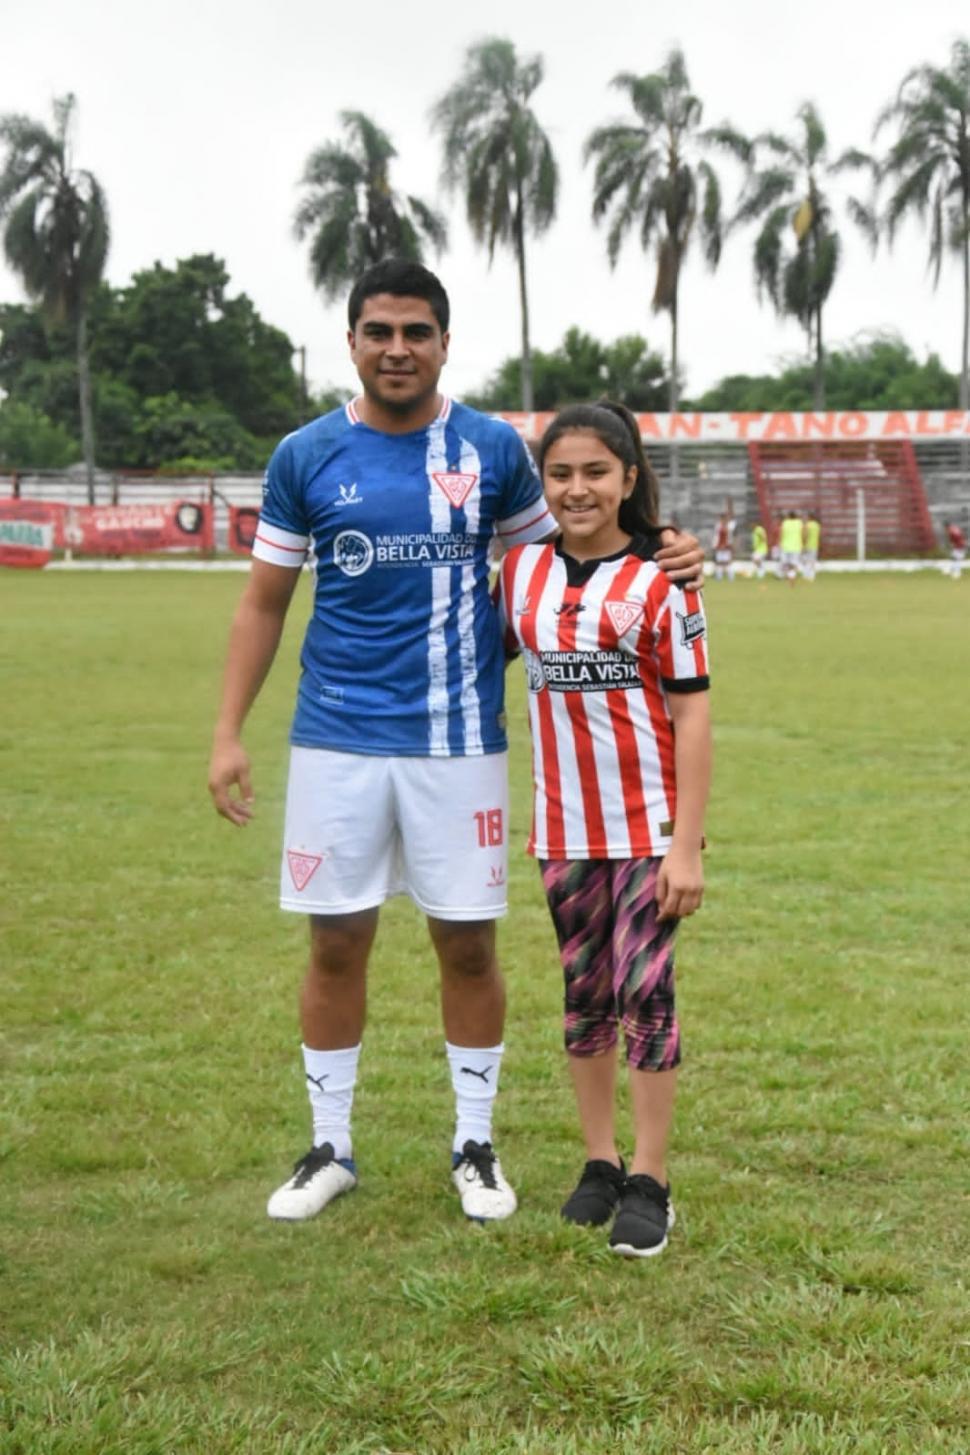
(243, 520)
(26, 533)
(129, 530)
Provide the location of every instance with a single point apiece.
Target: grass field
(813, 1299)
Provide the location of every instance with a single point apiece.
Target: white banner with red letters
(782, 426)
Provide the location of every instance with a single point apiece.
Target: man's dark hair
(403, 279)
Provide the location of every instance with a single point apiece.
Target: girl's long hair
(616, 428)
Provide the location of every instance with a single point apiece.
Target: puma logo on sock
(319, 1080)
(482, 1075)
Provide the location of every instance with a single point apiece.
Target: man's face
(399, 351)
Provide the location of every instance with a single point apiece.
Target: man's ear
(351, 343)
(445, 342)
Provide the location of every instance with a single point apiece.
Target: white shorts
(360, 829)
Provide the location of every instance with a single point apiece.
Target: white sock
(474, 1076)
(330, 1078)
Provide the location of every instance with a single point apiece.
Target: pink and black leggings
(618, 959)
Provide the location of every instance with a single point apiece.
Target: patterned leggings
(617, 957)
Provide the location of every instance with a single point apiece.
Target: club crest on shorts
(455, 485)
(623, 614)
(302, 867)
(692, 627)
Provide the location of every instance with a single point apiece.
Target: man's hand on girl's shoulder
(681, 556)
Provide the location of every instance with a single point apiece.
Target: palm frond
(711, 230)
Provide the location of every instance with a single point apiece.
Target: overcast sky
(197, 117)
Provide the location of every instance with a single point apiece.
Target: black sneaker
(596, 1195)
(644, 1218)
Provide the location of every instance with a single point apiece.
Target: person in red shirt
(616, 663)
(724, 548)
(958, 548)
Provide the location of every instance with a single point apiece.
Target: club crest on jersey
(533, 671)
(353, 552)
(623, 614)
(302, 867)
(692, 627)
(455, 485)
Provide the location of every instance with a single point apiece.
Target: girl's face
(585, 485)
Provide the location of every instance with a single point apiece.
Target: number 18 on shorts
(361, 828)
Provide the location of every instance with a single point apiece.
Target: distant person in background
(811, 536)
(723, 548)
(792, 542)
(774, 544)
(958, 548)
(759, 550)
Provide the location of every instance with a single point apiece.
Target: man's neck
(397, 421)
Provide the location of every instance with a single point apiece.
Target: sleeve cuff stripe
(515, 523)
(275, 557)
(281, 545)
(686, 684)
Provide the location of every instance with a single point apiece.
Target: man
(792, 542)
(759, 549)
(723, 544)
(811, 536)
(398, 763)
(958, 547)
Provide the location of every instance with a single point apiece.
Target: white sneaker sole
(627, 1250)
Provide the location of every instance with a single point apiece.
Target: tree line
(654, 181)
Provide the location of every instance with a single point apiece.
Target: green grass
(813, 1297)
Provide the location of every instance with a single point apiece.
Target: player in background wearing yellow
(792, 542)
(811, 536)
(759, 550)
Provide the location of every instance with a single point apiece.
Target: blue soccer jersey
(403, 654)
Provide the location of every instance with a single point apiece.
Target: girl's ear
(629, 482)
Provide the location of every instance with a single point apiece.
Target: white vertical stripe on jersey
(440, 508)
(547, 623)
(606, 753)
(470, 464)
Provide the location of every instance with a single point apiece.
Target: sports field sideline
(813, 1299)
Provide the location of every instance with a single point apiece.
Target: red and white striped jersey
(604, 642)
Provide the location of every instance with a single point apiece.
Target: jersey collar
(353, 414)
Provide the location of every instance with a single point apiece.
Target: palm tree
(353, 215)
(650, 179)
(55, 235)
(929, 164)
(496, 151)
(787, 193)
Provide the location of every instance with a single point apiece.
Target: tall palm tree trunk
(84, 401)
(528, 395)
(818, 391)
(674, 396)
(965, 358)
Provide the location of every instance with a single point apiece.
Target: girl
(616, 661)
